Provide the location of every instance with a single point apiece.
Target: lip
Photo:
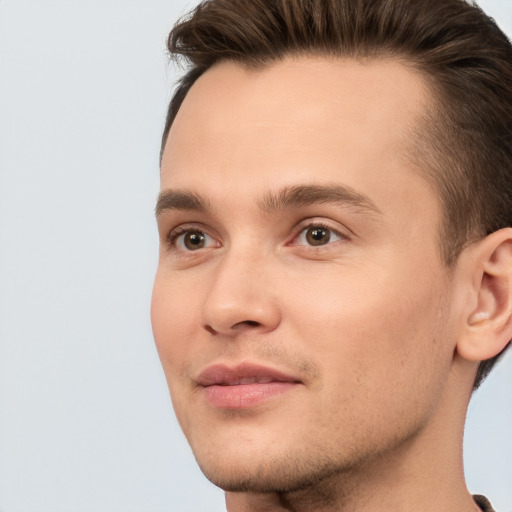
(243, 386)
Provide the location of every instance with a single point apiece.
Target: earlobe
(488, 327)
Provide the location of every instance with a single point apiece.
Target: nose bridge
(240, 292)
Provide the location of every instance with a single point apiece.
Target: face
(300, 307)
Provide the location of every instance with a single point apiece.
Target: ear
(488, 325)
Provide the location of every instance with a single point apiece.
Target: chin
(267, 473)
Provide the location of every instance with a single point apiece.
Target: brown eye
(194, 240)
(317, 235)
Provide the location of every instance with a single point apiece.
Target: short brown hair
(464, 146)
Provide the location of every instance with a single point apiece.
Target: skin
(369, 322)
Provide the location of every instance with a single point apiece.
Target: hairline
(423, 127)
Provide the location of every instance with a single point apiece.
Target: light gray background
(85, 419)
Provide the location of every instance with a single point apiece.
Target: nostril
(210, 329)
(233, 329)
(248, 323)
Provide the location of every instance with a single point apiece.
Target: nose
(240, 298)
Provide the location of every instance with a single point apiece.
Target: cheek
(380, 350)
(172, 318)
(374, 328)
(173, 315)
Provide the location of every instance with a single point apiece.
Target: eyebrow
(307, 195)
(180, 200)
(288, 197)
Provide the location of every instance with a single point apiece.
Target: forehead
(303, 119)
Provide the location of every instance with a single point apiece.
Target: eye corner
(188, 240)
(317, 235)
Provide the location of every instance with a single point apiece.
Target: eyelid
(340, 231)
(343, 234)
(182, 229)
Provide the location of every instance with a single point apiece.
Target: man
(335, 271)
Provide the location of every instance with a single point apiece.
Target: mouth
(243, 386)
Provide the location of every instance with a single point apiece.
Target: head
(285, 244)
(464, 144)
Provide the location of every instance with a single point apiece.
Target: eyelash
(301, 228)
(183, 230)
(305, 225)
